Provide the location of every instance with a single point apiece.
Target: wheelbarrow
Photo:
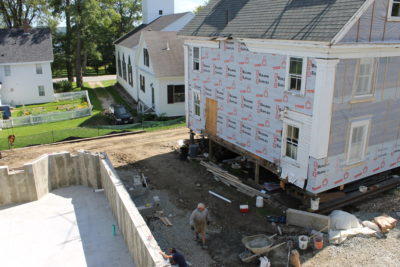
(257, 245)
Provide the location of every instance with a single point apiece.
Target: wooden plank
(211, 116)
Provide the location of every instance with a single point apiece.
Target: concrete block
(307, 220)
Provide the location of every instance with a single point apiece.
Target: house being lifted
(309, 89)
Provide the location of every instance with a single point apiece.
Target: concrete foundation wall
(58, 170)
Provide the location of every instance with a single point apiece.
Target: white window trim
(44, 90)
(199, 70)
(389, 14)
(354, 124)
(371, 81)
(39, 67)
(303, 76)
(296, 124)
(194, 106)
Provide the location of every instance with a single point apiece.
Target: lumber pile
(231, 180)
(385, 223)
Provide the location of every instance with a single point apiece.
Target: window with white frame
(357, 141)
(41, 90)
(142, 83)
(363, 79)
(394, 9)
(196, 58)
(296, 77)
(292, 141)
(196, 103)
(146, 57)
(176, 94)
(7, 70)
(39, 69)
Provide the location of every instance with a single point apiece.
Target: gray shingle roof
(131, 39)
(165, 62)
(17, 47)
(308, 20)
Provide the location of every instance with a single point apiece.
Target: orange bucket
(318, 241)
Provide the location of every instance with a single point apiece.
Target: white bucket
(259, 202)
(303, 242)
(314, 203)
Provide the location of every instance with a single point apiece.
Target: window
(119, 66)
(124, 67)
(160, 12)
(7, 70)
(295, 77)
(41, 90)
(176, 94)
(146, 59)
(39, 69)
(196, 58)
(357, 141)
(130, 75)
(196, 103)
(292, 141)
(394, 9)
(142, 83)
(363, 79)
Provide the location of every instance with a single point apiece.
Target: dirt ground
(182, 184)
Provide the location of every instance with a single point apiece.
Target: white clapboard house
(149, 58)
(25, 71)
(309, 90)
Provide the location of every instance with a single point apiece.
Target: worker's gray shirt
(198, 217)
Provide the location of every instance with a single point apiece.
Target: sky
(187, 5)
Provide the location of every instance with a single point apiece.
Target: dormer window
(394, 10)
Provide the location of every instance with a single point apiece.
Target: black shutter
(170, 94)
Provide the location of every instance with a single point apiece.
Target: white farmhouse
(150, 64)
(25, 71)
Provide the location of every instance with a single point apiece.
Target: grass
(75, 128)
(90, 71)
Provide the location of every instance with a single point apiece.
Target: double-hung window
(296, 75)
(142, 83)
(357, 141)
(394, 10)
(196, 103)
(146, 58)
(7, 70)
(364, 78)
(196, 58)
(292, 141)
(39, 69)
(41, 90)
(176, 94)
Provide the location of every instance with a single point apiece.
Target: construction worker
(199, 219)
(175, 258)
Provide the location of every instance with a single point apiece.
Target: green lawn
(78, 128)
(90, 71)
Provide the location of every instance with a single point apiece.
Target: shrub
(62, 86)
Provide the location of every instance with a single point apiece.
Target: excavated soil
(180, 185)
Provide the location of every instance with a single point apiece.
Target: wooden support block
(385, 223)
(257, 174)
(341, 188)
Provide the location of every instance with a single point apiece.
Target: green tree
(200, 7)
(14, 12)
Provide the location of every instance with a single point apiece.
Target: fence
(53, 136)
(53, 116)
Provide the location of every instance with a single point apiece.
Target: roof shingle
(19, 47)
(307, 20)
